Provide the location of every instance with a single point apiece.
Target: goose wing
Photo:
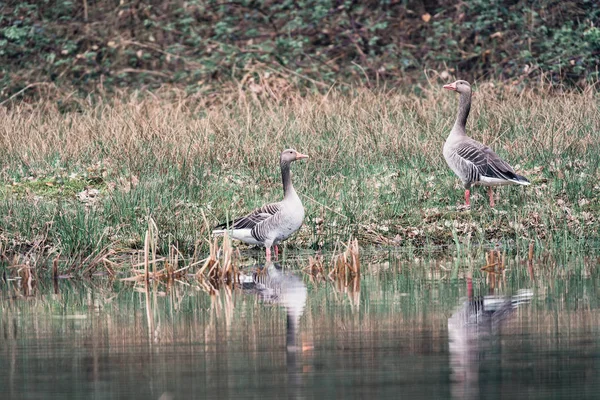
(254, 218)
(480, 160)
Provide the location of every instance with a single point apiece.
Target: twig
(142, 71)
(158, 50)
(23, 90)
(298, 75)
(323, 205)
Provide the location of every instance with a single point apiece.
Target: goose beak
(300, 156)
(450, 86)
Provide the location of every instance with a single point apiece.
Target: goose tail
(521, 180)
(218, 232)
(243, 234)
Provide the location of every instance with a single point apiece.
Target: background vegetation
(100, 45)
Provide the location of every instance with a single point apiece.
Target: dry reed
(170, 270)
(495, 262)
(221, 267)
(346, 265)
(315, 268)
(495, 269)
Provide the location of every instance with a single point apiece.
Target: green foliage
(203, 44)
(50, 187)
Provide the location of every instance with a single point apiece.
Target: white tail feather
(244, 235)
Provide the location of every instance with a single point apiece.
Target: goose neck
(288, 188)
(464, 106)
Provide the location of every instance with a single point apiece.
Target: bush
(103, 45)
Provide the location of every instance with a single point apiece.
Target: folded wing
(254, 218)
(479, 161)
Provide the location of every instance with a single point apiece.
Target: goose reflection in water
(285, 289)
(275, 286)
(472, 331)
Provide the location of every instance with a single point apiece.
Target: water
(403, 330)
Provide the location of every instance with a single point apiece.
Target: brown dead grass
(241, 130)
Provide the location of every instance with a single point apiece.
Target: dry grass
(346, 264)
(243, 132)
(376, 169)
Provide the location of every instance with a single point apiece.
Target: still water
(442, 329)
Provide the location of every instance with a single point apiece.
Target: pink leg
(268, 250)
(468, 197)
(491, 193)
(276, 252)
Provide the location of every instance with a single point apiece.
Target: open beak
(450, 86)
(300, 156)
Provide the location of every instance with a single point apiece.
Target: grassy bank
(74, 183)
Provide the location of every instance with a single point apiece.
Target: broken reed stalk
(220, 267)
(494, 262)
(26, 278)
(55, 268)
(495, 265)
(530, 262)
(171, 262)
(146, 262)
(315, 268)
(346, 265)
(227, 266)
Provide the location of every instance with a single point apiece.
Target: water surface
(404, 330)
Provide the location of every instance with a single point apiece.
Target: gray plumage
(476, 164)
(272, 223)
(473, 162)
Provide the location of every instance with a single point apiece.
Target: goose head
(289, 155)
(459, 86)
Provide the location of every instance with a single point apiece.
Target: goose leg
(276, 252)
(268, 251)
(491, 194)
(467, 197)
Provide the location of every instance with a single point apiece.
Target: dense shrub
(104, 44)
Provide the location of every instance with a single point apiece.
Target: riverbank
(75, 182)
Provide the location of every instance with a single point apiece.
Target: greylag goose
(272, 223)
(474, 162)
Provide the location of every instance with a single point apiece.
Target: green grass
(51, 187)
(375, 170)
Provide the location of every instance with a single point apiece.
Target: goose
(274, 222)
(473, 162)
